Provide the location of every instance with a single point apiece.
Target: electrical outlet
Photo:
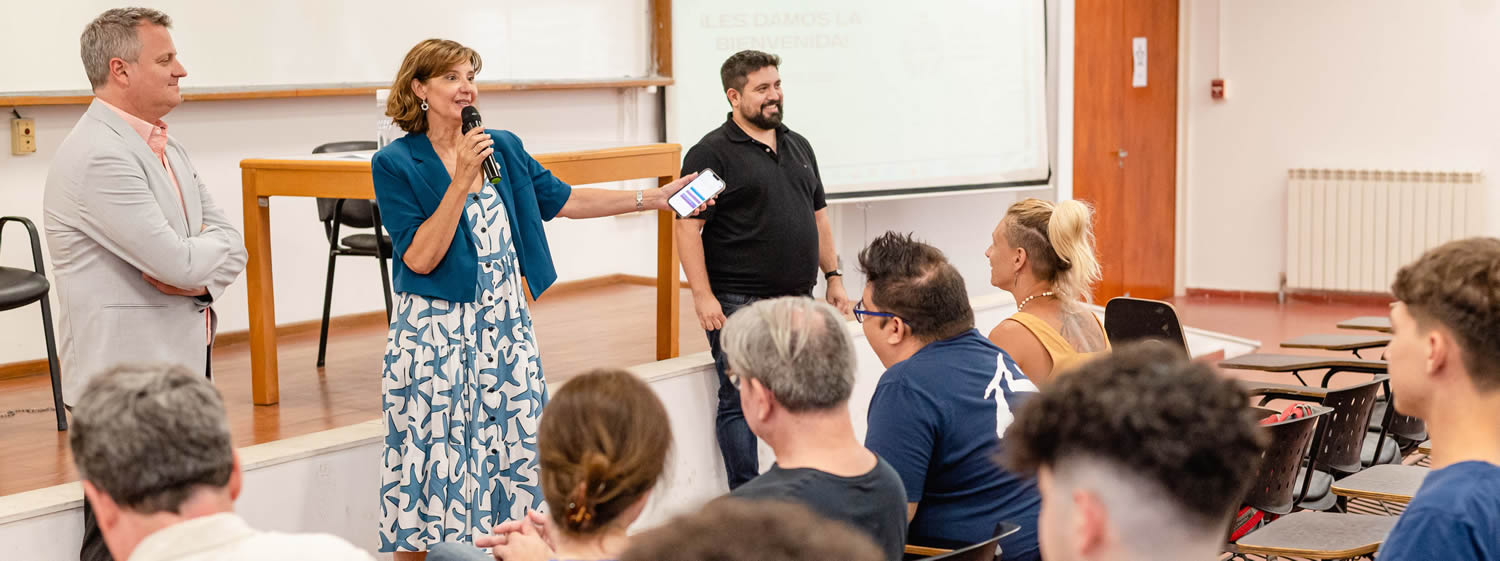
(22, 136)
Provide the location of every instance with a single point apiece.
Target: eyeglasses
(860, 312)
(734, 379)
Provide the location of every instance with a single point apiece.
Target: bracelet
(640, 197)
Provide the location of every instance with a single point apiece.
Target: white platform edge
(40, 502)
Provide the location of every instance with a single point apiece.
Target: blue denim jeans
(736, 442)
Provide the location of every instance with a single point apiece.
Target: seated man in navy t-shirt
(1445, 369)
(943, 402)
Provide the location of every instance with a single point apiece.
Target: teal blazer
(410, 182)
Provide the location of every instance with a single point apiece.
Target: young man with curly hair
(1138, 455)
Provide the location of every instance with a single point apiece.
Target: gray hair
(113, 35)
(149, 436)
(797, 347)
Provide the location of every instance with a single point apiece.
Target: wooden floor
(612, 326)
(577, 331)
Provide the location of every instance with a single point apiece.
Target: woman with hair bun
(603, 445)
(1043, 254)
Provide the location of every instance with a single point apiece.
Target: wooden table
(1368, 323)
(1388, 483)
(345, 179)
(1295, 364)
(1318, 535)
(1338, 342)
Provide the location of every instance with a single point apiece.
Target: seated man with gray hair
(153, 448)
(793, 362)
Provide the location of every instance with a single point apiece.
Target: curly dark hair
(1457, 285)
(1150, 411)
(737, 68)
(731, 529)
(916, 282)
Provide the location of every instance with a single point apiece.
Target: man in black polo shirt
(767, 236)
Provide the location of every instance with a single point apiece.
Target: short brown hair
(916, 282)
(603, 445)
(429, 58)
(730, 529)
(737, 68)
(1457, 286)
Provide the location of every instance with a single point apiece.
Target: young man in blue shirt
(945, 399)
(1445, 369)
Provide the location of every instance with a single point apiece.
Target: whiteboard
(895, 96)
(229, 44)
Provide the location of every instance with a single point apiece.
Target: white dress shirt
(226, 537)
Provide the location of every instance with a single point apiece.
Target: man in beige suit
(139, 250)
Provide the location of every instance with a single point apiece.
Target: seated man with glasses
(944, 401)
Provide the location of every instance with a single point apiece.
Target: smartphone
(696, 192)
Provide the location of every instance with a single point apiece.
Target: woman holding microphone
(462, 383)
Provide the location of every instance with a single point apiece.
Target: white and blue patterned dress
(463, 393)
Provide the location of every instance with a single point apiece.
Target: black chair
(1341, 440)
(353, 213)
(1134, 319)
(20, 287)
(1277, 489)
(987, 550)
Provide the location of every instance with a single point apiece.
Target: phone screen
(696, 192)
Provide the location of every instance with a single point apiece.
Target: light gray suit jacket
(111, 213)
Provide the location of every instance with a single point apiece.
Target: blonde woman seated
(1043, 253)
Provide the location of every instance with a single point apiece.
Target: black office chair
(354, 213)
(1134, 319)
(20, 287)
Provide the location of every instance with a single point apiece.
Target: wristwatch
(640, 196)
(834, 273)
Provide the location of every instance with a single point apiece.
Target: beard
(760, 119)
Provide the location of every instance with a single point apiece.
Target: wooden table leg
(262, 302)
(668, 283)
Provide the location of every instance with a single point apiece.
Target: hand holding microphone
(473, 130)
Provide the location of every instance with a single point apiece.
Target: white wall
(220, 134)
(1385, 84)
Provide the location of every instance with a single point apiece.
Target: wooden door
(1125, 142)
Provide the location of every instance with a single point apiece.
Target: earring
(424, 105)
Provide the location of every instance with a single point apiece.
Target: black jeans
(736, 442)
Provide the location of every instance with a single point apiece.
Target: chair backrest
(1408, 427)
(1290, 442)
(356, 213)
(987, 550)
(1134, 319)
(1344, 433)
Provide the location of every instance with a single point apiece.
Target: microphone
(471, 121)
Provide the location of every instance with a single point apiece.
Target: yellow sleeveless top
(1064, 356)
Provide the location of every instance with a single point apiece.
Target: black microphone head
(470, 116)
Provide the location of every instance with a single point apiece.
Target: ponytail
(1071, 231)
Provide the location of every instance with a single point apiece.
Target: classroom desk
(1388, 483)
(1367, 323)
(1338, 342)
(333, 177)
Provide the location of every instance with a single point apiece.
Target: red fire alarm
(1217, 88)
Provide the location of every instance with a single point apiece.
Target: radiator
(1350, 230)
